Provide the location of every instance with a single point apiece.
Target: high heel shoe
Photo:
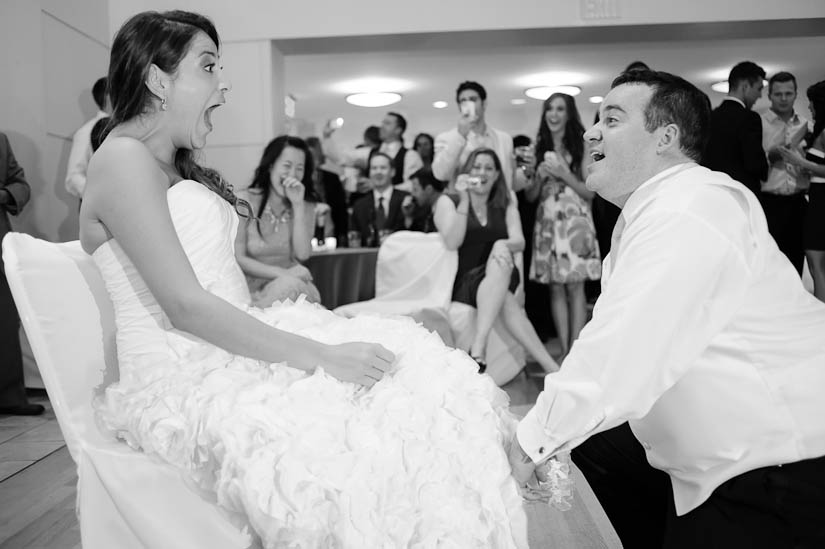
(482, 365)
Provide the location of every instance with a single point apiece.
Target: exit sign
(600, 9)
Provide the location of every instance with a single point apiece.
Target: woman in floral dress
(565, 249)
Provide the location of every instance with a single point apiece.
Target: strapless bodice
(205, 225)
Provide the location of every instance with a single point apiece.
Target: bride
(301, 424)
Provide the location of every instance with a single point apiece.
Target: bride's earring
(163, 105)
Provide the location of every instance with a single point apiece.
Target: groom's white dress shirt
(703, 338)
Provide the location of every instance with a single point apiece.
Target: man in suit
(14, 193)
(735, 144)
(381, 209)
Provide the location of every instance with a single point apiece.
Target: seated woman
(284, 416)
(486, 230)
(271, 246)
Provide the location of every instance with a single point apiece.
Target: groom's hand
(523, 468)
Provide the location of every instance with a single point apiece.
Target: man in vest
(405, 161)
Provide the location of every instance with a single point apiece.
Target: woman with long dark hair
(486, 230)
(565, 248)
(271, 247)
(278, 413)
(814, 163)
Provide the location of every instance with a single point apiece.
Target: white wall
(53, 53)
(281, 19)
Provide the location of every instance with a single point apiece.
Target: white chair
(125, 498)
(414, 276)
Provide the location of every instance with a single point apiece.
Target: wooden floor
(37, 489)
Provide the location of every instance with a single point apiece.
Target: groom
(703, 340)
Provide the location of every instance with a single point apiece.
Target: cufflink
(541, 449)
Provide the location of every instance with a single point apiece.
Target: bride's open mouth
(207, 116)
(596, 156)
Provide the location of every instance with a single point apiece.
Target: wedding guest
(565, 248)
(735, 142)
(82, 144)
(453, 147)
(783, 192)
(379, 213)
(703, 339)
(271, 247)
(426, 190)
(329, 189)
(814, 165)
(485, 229)
(14, 194)
(424, 145)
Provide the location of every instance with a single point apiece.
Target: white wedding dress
(304, 459)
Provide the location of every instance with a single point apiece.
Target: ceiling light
(596, 99)
(722, 87)
(553, 78)
(543, 92)
(518, 101)
(372, 84)
(373, 99)
(440, 104)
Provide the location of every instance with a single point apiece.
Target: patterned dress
(565, 248)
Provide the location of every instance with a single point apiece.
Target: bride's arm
(128, 191)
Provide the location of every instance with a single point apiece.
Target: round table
(343, 275)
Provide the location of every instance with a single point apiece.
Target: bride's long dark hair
(162, 39)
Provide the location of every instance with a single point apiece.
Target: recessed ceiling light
(440, 104)
(372, 84)
(543, 92)
(722, 87)
(518, 101)
(373, 99)
(596, 99)
(552, 78)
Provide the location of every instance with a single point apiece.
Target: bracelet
(462, 213)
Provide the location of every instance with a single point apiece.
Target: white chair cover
(414, 277)
(125, 498)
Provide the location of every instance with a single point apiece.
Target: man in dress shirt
(703, 339)
(82, 144)
(380, 210)
(14, 194)
(783, 193)
(453, 147)
(735, 144)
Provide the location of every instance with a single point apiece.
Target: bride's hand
(362, 363)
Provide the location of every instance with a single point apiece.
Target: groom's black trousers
(773, 507)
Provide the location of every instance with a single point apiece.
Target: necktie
(380, 216)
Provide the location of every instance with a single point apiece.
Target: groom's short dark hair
(674, 101)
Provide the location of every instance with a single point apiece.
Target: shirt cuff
(533, 438)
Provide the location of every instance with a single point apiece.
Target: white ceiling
(433, 65)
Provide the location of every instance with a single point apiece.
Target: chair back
(69, 321)
(417, 267)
